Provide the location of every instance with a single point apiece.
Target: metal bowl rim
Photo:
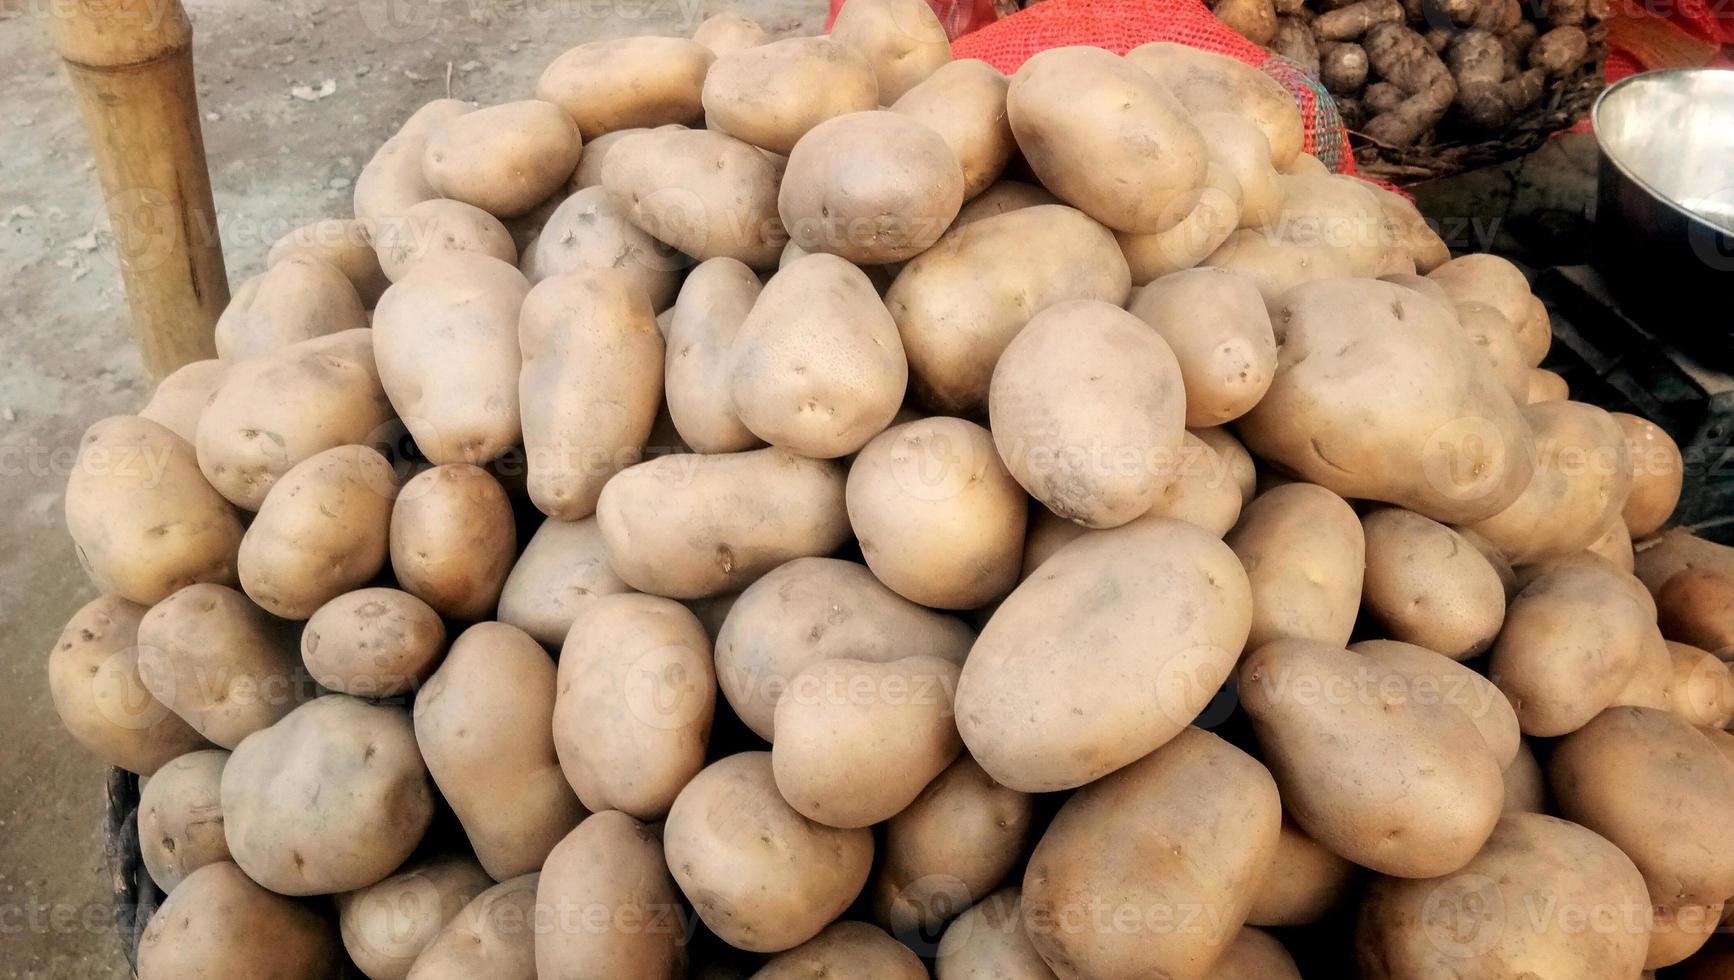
(1607, 154)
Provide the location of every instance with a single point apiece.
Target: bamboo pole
(131, 66)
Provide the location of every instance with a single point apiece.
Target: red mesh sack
(959, 17)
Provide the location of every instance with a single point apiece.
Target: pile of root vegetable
(1400, 69)
(810, 508)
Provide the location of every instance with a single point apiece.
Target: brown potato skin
(659, 178)
(1700, 690)
(628, 82)
(1582, 476)
(392, 181)
(988, 942)
(588, 232)
(1657, 472)
(999, 197)
(771, 94)
(1429, 586)
(1254, 955)
(346, 243)
(1216, 324)
(1696, 606)
(373, 643)
(1303, 884)
(610, 863)
(902, 39)
(846, 950)
(729, 31)
(714, 302)
(964, 102)
(298, 298)
(1305, 554)
(385, 926)
(492, 937)
(1203, 81)
(560, 572)
(1494, 336)
(180, 398)
(435, 228)
(211, 927)
(1434, 676)
(453, 540)
(180, 817)
(504, 159)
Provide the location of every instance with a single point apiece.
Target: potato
(820, 393)
(1652, 678)
(1424, 286)
(446, 336)
(373, 643)
(1546, 386)
(1205, 82)
(1448, 444)
(959, 304)
(988, 942)
(221, 663)
(504, 159)
(562, 571)
(494, 937)
(1679, 932)
(1414, 236)
(1190, 241)
(949, 848)
(1183, 833)
(628, 82)
(1572, 638)
(1088, 412)
(1525, 783)
(813, 609)
(1237, 144)
(872, 187)
(1303, 884)
(1657, 472)
(1254, 955)
(729, 31)
(846, 951)
(857, 740)
(637, 691)
(589, 170)
(299, 298)
(1278, 263)
(1486, 278)
(939, 518)
(213, 924)
(332, 798)
(610, 868)
(1216, 324)
(346, 243)
(1304, 553)
(704, 193)
(439, 227)
(392, 181)
(1582, 476)
(1596, 930)
(590, 387)
(1107, 138)
(1431, 677)
(1534, 331)
(1204, 492)
(964, 102)
(1491, 332)
(1428, 586)
(902, 39)
(1168, 609)
(688, 527)
(323, 533)
(1615, 545)
(770, 95)
(1238, 463)
(453, 540)
(180, 398)
(387, 925)
(588, 232)
(1000, 196)
(1696, 606)
(714, 301)
(93, 679)
(755, 896)
(180, 817)
(1701, 690)
(1673, 551)
(274, 411)
(1335, 214)
(1372, 765)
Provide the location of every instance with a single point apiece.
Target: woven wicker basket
(136, 896)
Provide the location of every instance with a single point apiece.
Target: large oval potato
(1184, 832)
(484, 721)
(588, 232)
(446, 336)
(1203, 81)
(561, 571)
(1305, 554)
(392, 182)
(494, 937)
(1700, 689)
(846, 950)
(1657, 472)
(1303, 884)
(628, 82)
(688, 526)
(180, 817)
(902, 39)
(611, 869)
(435, 228)
(705, 193)
(637, 692)
(714, 302)
(142, 518)
(960, 303)
(964, 102)
(385, 926)
(93, 679)
(1482, 277)
(296, 299)
(1429, 586)
(988, 942)
(1582, 476)
(332, 798)
(180, 398)
(1088, 411)
(453, 539)
(1167, 607)
(1432, 677)
(373, 643)
(759, 896)
(1107, 138)
(346, 243)
(1696, 605)
(504, 159)
(211, 927)
(813, 609)
(770, 95)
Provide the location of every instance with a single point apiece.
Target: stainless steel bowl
(1665, 205)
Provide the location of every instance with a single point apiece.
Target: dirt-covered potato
(453, 540)
(1582, 476)
(1448, 444)
(689, 526)
(770, 95)
(385, 926)
(435, 228)
(1303, 883)
(1194, 237)
(1377, 764)
(813, 609)
(714, 301)
(705, 193)
(846, 950)
(180, 398)
(392, 181)
(873, 187)
(298, 298)
(219, 923)
(1530, 861)
(446, 336)
(1305, 554)
(373, 643)
(1657, 471)
(1190, 826)
(180, 817)
(331, 798)
(1205, 82)
(729, 31)
(637, 691)
(562, 570)
(902, 39)
(142, 518)
(759, 897)
(346, 243)
(494, 937)
(1428, 586)
(611, 868)
(1171, 608)
(321, 532)
(504, 159)
(964, 102)
(1088, 412)
(589, 232)
(1107, 138)
(988, 942)
(820, 393)
(628, 82)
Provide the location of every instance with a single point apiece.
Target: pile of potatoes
(813, 508)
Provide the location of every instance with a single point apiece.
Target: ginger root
(1401, 57)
